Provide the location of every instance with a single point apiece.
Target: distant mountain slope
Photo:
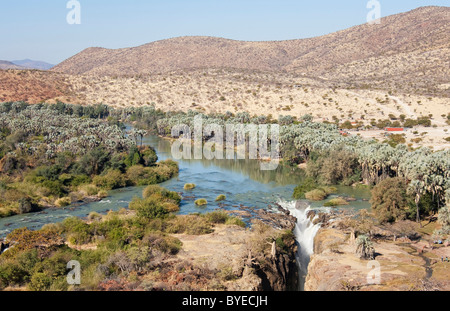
(4, 65)
(422, 35)
(33, 64)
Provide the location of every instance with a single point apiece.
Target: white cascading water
(305, 232)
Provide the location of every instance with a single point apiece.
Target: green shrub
(40, 282)
(171, 207)
(189, 186)
(92, 163)
(102, 194)
(141, 176)
(222, 217)
(166, 194)
(336, 202)
(26, 205)
(63, 202)
(54, 188)
(201, 202)
(390, 200)
(152, 189)
(217, 217)
(77, 231)
(308, 185)
(79, 180)
(285, 239)
(94, 216)
(27, 260)
(12, 274)
(66, 179)
(316, 195)
(112, 227)
(134, 157)
(54, 266)
(113, 179)
(149, 155)
(149, 208)
(221, 197)
(328, 189)
(171, 164)
(163, 172)
(89, 190)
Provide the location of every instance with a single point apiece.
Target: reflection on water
(241, 181)
(282, 176)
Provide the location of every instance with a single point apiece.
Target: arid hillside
(33, 86)
(412, 47)
(220, 90)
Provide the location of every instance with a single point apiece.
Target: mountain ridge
(33, 64)
(5, 65)
(25, 64)
(422, 29)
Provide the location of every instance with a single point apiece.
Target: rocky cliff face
(279, 273)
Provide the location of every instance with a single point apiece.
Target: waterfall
(305, 232)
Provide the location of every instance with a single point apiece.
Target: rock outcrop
(403, 265)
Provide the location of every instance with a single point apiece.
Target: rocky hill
(415, 44)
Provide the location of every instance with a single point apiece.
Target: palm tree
(364, 248)
(417, 187)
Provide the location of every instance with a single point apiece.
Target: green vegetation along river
(241, 181)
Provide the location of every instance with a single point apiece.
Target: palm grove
(406, 183)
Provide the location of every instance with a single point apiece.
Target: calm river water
(241, 181)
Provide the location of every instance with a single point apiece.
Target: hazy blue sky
(38, 29)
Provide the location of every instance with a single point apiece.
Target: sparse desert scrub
(222, 217)
(190, 224)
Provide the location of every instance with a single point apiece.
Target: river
(242, 181)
